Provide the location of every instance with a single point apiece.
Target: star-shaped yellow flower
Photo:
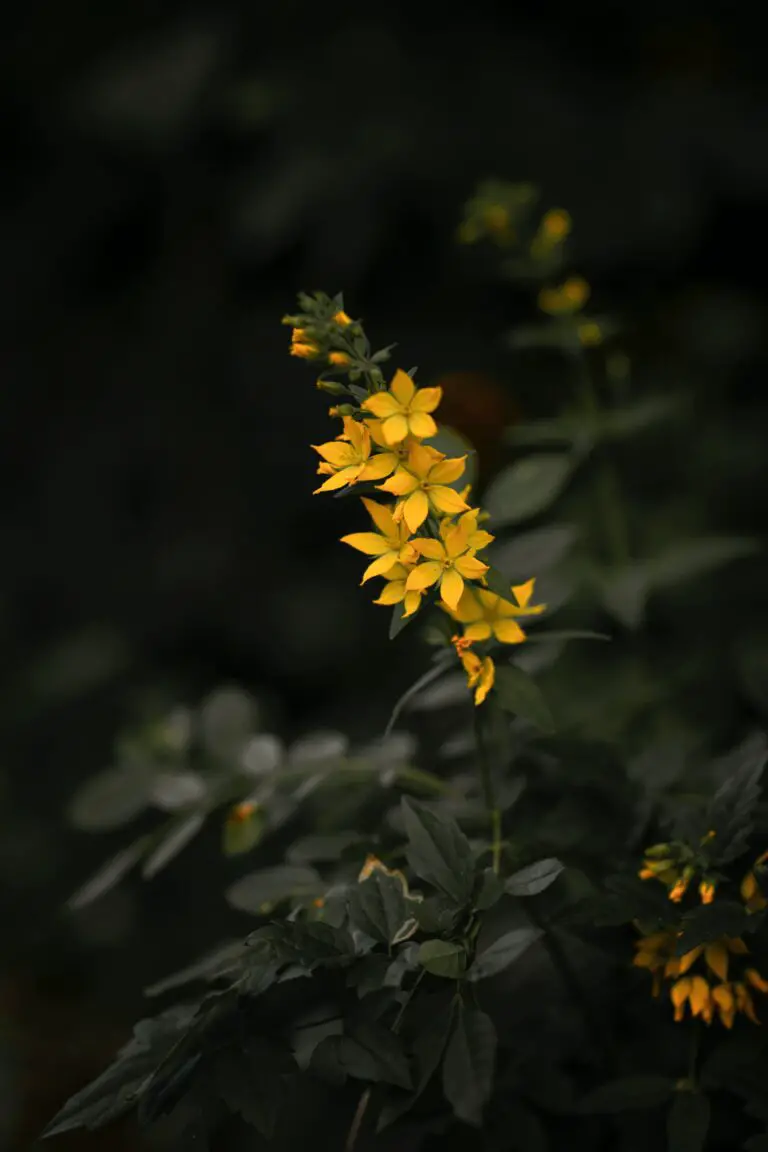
(485, 614)
(404, 409)
(396, 592)
(449, 562)
(422, 483)
(348, 459)
(390, 545)
(481, 673)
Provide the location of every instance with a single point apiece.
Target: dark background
(172, 175)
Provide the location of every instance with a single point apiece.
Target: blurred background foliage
(171, 178)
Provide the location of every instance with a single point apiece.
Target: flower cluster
(677, 864)
(711, 989)
(425, 537)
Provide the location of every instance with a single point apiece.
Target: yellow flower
(340, 359)
(726, 1004)
(422, 485)
(390, 545)
(478, 538)
(449, 562)
(680, 887)
(556, 224)
(568, 297)
(696, 991)
(303, 346)
(395, 591)
(481, 673)
(753, 977)
(590, 334)
(348, 459)
(404, 409)
(707, 891)
(484, 614)
(342, 319)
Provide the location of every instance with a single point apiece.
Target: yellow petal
(379, 466)
(468, 610)
(487, 677)
(744, 1003)
(680, 991)
(508, 632)
(392, 593)
(736, 945)
(382, 518)
(455, 541)
(381, 566)
(477, 632)
(339, 454)
(480, 539)
(368, 542)
(446, 471)
(690, 958)
(400, 483)
(426, 399)
(446, 499)
(382, 404)
(422, 458)
(716, 957)
(451, 587)
(470, 567)
(412, 603)
(342, 478)
(402, 388)
(395, 428)
(421, 425)
(523, 592)
(756, 980)
(423, 576)
(432, 549)
(416, 510)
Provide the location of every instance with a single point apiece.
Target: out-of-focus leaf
(532, 553)
(398, 621)
(224, 959)
(109, 874)
(692, 558)
(321, 849)
(624, 595)
(688, 1122)
(174, 840)
(77, 664)
(428, 1050)
(318, 747)
(438, 851)
(752, 669)
(528, 487)
(173, 790)
(469, 1065)
(709, 922)
(533, 879)
(619, 423)
(227, 719)
(112, 798)
(272, 886)
(519, 694)
(443, 958)
(261, 755)
(429, 677)
(450, 690)
(503, 952)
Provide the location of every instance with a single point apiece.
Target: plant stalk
(489, 793)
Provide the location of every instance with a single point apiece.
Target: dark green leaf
(398, 621)
(442, 958)
(271, 886)
(469, 1065)
(692, 558)
(527, 488)
(174, 839)
(687, 1122)
(532, 553)
(368, 974)
(437, 915)
(730, 813)
(533, 879)
(109, 874)
(503, 952)
(365, 1056)
(624, 594)
(250, 1082)
(619, 423)
(428, 1049)
(387, 1052)
(516, 692)
(111, 799)
(439, 669)
(491, 890)
(378, 907)
(564, 430)
(628, 1093)
(708, 922)
(438, 851)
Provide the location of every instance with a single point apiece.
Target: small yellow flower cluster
(708, 991)
(427, 536)
(675, 865)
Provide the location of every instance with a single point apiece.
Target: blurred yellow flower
(484, 614)
(589, 334)
(340, 359)
(481, 673)
(342, 319)
(390, 545)
(348, 459)
(404, 409)
(302, 346)
(448, 563)
(422, 484)
(567, 298)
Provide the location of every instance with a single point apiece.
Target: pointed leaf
(429, 677)
(378, 907)
(503, 952)
(516, 692)
(533, 879)
(428, 1050)
(438, 851)
(528, 487)
(174, 840)
(692, 558)
(533, 553)
(271, 886)
(688, 1122)
(110, 799)
(469, 1065)
(442, 958)
(250, 1082)
(109, 874)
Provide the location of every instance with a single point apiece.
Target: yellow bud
(707, 891)
(590, 334)
(496, 219)
(340, 359)
(342, 319)
(331, 387)
(556, 224)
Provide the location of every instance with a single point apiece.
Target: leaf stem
(489, 794)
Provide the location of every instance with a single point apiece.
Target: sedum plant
(511, 932)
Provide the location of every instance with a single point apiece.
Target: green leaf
(619, 423)
(533, 879)
(271, 886)
(438, 851)
(527, 488)
(322, 848)
(451, 443)
(491, 890)
(112, 798)
(503, 952)
(691, 558)
(565, 430)
(364, 1056)
(516, 692)
(441, 667)
(240, 836)
(378, 907)
(387, 1052)
(752, 670)
(532, 553)
(428, 1049)
(730, 812)
(109, 874)
(469, 1065)
(250, 1082)
(442, 958)
(624, 594)
(688, 1122)
(629, 1093)
(173, 840)
(708, 922)
(561, 637)
(222, 961)
(398, 621)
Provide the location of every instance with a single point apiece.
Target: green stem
(489, 794)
